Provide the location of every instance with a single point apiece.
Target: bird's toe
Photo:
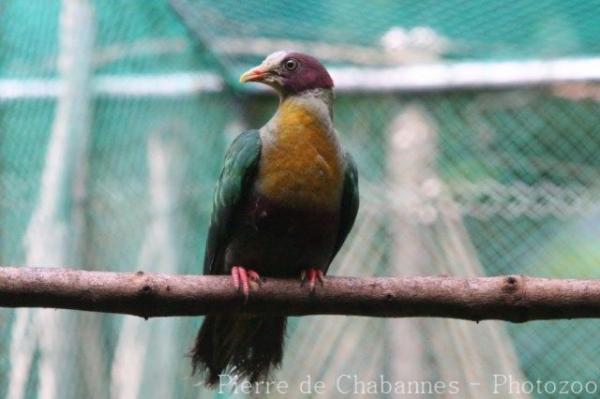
(241, 280)
(312, 276)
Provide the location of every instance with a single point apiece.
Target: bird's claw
(312, 276)
(241, 280)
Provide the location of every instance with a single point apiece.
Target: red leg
(241, 279)
(312, 276)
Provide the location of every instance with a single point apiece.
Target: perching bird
(285, 202)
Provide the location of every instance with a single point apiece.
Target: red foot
(241, 280)
(312, 276)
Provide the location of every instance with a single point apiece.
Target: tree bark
(511, 298)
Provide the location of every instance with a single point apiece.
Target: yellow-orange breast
(302, 166)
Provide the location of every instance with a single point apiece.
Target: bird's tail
(245, 346)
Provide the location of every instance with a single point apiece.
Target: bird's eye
(291, 64)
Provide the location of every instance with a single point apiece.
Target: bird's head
(290, 73)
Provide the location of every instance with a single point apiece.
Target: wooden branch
(511, 298)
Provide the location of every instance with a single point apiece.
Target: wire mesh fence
(486, 180)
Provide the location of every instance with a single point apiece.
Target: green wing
(350, 201)
(236, 180)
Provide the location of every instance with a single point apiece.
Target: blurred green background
(475, 125)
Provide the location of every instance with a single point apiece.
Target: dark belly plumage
(280, 241)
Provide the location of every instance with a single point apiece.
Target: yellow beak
(253, 75)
